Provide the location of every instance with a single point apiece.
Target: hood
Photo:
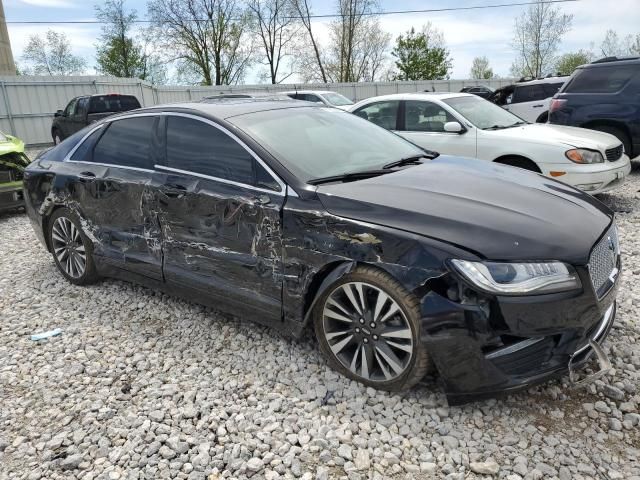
(559, 134)
(495, 211)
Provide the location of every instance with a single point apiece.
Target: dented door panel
(222, 239)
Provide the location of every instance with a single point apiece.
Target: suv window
(550, 89)
(113, 103)
(529, 93)
(425, 117)
(609, 79)
(383, 114)
(198, 147)
(71, 107)
(82, 106)
(127, 142)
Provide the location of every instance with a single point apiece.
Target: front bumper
(594, 178)
(517, 343)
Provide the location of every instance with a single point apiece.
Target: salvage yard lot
(143, 385)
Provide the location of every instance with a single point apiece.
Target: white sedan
(466, 125)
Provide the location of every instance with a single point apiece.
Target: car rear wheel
(619, 134)
(367, 326)
(72, 250)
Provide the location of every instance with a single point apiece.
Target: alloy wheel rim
(68, 247)
(367, 331)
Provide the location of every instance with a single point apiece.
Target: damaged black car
(300, 216)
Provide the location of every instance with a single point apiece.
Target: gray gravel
(143, 385)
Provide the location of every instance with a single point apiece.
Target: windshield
(481, 113)
(320, 142)
(336, 99)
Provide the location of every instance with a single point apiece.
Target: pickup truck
(84, 110)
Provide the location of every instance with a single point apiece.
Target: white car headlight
(582, 155)
(518, 278)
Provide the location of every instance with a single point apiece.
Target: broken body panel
(272, 255)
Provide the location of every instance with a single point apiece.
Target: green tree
(568, 62)
(51, 55)
(480, 69)
(422, 55)
(119, 53)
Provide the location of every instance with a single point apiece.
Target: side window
(425, 117)
(127, 142)
(82, 106)
(601, 79)
(550, 89)
(528, 93)
(71, 107)
(84, 152)
(198, 147)
(383, 114)
(309, 97)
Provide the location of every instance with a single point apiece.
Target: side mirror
(453, 127)
(59, 113)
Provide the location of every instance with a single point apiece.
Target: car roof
(418, 96)
(603, 62)
(231, 107)
(310, 91)
(538, 81)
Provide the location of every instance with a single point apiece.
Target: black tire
(520, 162)
(620, 134)
(55, 135)
(414, 364)
(543, 118)
(76, 247)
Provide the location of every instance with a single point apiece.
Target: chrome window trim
(220, 180)
(283, 186)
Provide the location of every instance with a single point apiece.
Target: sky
(467, 33)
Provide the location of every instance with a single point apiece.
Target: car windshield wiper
(348, 177)
(408, 160)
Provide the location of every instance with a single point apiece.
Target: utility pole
(7, 65)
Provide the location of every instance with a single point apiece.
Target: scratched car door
(219, 209)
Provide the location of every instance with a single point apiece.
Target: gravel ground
(143, 385)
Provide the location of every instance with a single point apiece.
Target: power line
(332, 15)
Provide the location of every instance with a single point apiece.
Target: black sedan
(301, 216)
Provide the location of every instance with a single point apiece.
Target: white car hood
(555, 134)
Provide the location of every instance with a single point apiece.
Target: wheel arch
(513, 159)
(543, 117)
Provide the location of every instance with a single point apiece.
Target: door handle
(262, 200)
(87, 175)
(174, 190)
(538, 106)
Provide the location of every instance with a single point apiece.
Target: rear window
(113, 103)
(601, 79)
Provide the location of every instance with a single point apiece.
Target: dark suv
(605, 96)
(81, 111)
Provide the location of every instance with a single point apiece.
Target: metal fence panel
(27, 103)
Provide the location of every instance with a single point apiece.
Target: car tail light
(556, 104)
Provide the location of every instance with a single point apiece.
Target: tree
(612, 46)
(480, 69)
(118, 52)
(51, 55)
(303, 9)
(537, 36)
(275, 27)
(210, 37)
(358, 43)
(422, 56)
(568, 62)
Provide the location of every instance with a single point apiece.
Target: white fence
(28, 103)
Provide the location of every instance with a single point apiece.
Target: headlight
(518, 278)
(582, 155)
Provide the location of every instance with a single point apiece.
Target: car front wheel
(71, 249)
(367, 326)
